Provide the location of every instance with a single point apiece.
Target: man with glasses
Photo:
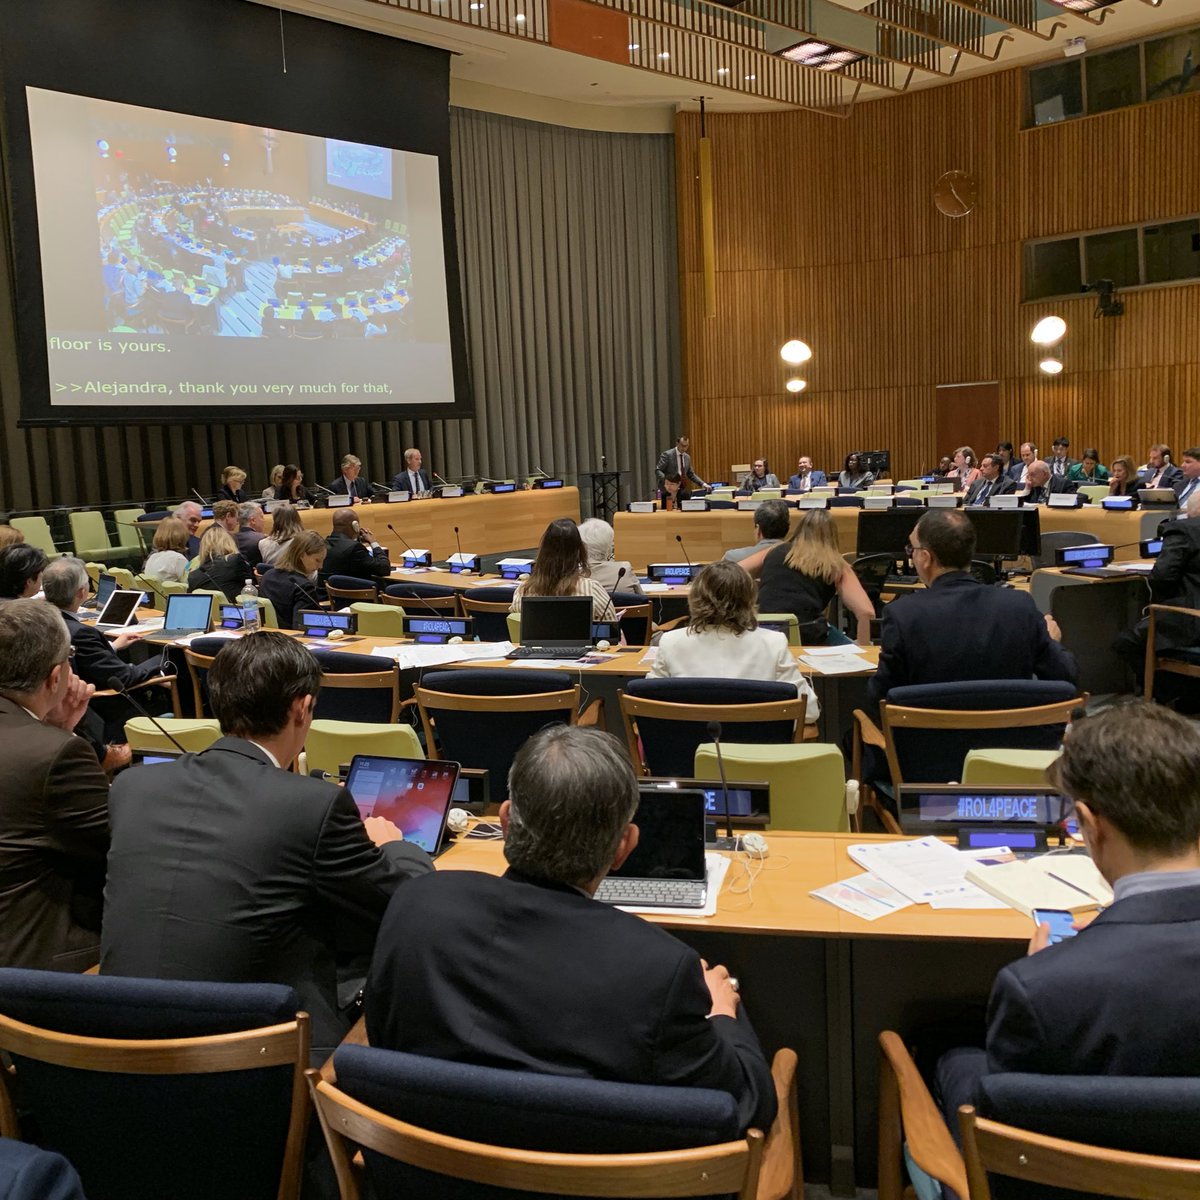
(53, 799)
(957, 628)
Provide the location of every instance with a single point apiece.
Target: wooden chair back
(429, 702)
(1155, 661)
(388, 678)
(350, 595)
(156, 681)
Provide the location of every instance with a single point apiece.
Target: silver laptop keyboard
(654, 893)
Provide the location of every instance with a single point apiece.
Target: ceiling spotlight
(795, 352)
(1050, 365)
(1049, 331)
(795, 385)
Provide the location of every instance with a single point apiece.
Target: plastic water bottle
(248, 599)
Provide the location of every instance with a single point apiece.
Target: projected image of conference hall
(210, 228)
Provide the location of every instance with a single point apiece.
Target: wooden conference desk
(825, 983)
(487, 524)
(643, 538)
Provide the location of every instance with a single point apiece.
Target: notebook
(666, 868)
(413, 793)
(1068, 882)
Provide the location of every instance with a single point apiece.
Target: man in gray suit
(674, 473)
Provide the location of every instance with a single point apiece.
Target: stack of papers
(411, 658)
(835, 660)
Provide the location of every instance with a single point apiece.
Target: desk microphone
(119, 687)
(203, 502)
(458, 542)
(691, 569)
(400, 536)
(729, 841)
(540, 471)
(620, 575)
(379, 487)
(440, 480)
(323, 490)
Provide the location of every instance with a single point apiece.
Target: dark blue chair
(637, 623)
(27, 1173)
(344, 590)
(481, 718)
(666, 719)
(357, 687)
(489, 1108)
(714, 505)
(195, 1114)
(489, 607)
(418, 598)
(1024, 714)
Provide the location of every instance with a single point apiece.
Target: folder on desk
(1068, 882)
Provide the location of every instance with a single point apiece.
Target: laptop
(154, 758)
(555, 627)
(1158, 495)
(413, 793)
(187, 614)
(667, 867)
(120, 610)
(104, 588)
(984, 817)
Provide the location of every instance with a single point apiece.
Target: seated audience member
(276, 477)
(964, 467)
(249, 533)
(189, 513)
(232, 481)
(957, 628)
(412, 479)
(96, 660)
(991, 482)
(1186, 485)
(1118, 998)
(610, 574)
(561, 569)
(285, 524)
(21, 568)
(291, 486)
(1040, 485)
(348, 482)
(806, 477)
(804, 574)
(945, 466)
(1005, 450)
(581, 988)
(723, 639)
(1174, 579)
(219, 566)
(352, 550)
(225, 514)
(1123, 479)
(759, 477)
(771, 521)
(54, 811)
(1089, 469)
(1060, 461)
(854, 474)
(292, 583)
(1019, 471)
(225, 866)
(1159, 470)
(168, 562)
(10, 537)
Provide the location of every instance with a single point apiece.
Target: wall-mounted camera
(1107, 304)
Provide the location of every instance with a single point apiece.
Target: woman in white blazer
(723, 640)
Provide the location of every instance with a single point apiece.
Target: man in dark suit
(958, 628)
(806, 477)
(226, 867)
(674, 473)
(528, 972)
(412, 478)
(1060, 461)
(1188, 483)
(1027, 456)
(189, 513)
(1118, 998)
(348, 482)
(249, 534)
(353, 550)
(992, 481)
(53, 799)
(1040, 485)
(1159, 471)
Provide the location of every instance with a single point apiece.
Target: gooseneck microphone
(203, 502)
(400, 536)
(117, 686)
(729, 841)
(686, 559)
(316, 487)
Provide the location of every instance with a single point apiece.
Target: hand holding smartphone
(1062, 923)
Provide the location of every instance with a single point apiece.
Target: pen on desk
(1075, 887)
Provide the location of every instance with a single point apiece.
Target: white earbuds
(455, 641)
(756, 844)
(335, 634)
(457, 820)
(602, 644)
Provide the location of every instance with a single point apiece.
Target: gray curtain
(568, 261)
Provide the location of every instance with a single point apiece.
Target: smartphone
(1061, 923)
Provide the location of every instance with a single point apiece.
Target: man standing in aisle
(674, 472)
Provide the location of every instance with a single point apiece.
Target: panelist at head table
(529, 972)
(412, 478)
(348, 482)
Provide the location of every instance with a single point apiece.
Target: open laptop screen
(187, 611)
(671, 836)
(546, 619)
(414, 794)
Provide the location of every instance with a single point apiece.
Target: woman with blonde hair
(10, 536)
(232, 479)
(561, 569)
(965, 467)
(723, 640)
(285, 524)
(219, 567)
(268, 493)
(804, 573)
(168, 563)
(291, 584)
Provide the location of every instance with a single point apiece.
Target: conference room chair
(480, 718)
(94, 571)
(418, 598)
(154, 1088)
(37, 533)
(1007, 768)
(667, 719)
(128, 534)
(873, 572)
(1181, 660)
(789, 621)
(192, 733)
(123, 576)
(331, 743)
(1060, 539)
(344, 590)
(90, 535)
(155, 681)
(378, 620)
(1095, 492)
(983, 571)
(807, 783)
(199, 656)
(489, 607)
(357, 687)
(427, 1127)
(637, 621)
(147, 525)
(1041, 1137)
